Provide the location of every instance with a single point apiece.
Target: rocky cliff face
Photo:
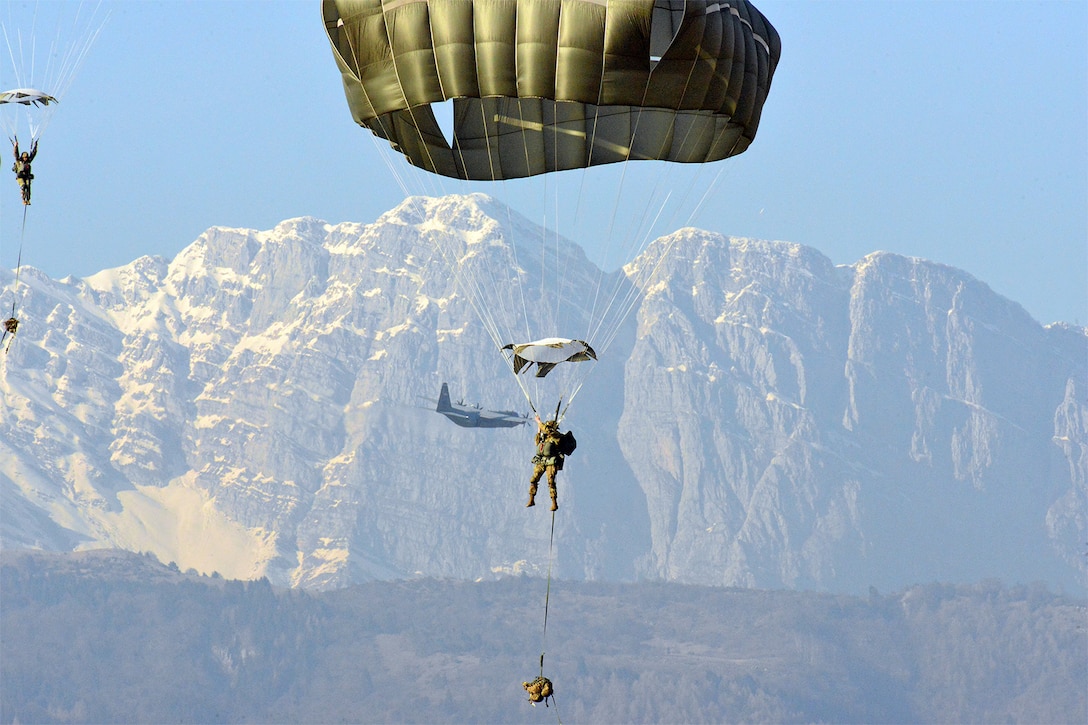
(256, 407)
(890, 421)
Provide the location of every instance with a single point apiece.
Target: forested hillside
(116, 637)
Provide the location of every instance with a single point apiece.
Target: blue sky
(952, 131)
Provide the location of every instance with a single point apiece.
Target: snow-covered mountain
(764, 418)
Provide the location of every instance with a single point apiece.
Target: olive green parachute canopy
(547, 85)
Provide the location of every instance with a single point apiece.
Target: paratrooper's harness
(547, 451)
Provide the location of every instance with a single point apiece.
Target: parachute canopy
(548, 353)
(542, 85)
(27, 97)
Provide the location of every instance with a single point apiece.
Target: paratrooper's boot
(532, 495)
(555, 505)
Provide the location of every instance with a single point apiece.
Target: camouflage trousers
(539, 470)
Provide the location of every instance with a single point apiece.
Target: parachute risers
(539, 690)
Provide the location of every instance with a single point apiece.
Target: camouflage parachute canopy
(547, 85)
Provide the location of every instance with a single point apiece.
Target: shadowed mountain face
(764, 418)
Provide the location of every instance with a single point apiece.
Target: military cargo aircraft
(473, 416)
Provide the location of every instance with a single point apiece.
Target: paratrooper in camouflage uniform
(548, 459)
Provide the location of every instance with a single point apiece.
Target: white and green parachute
(27, 97)
(548, 353)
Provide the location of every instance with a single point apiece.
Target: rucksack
(567, 443)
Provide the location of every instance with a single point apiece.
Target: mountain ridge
(249, 407)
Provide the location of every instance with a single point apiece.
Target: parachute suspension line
(512, 246)
(424, 180)
(553, 201)
(562, 281)
(708, 191)
(65, 55)
(384, 152)
(506, 184)
(544, 282)
(578, 210)
(611, 230)
(475, 278)
(606, 318)
(463, 273)
(565, 282)
(608, 245)
(643, 281)
(570, 399)
(633, 291)
(633, 244)
(646, 280)
(461, 270)
(483, 274)
(498, 323)
(510, 294)
(608, 236)
(73, 55)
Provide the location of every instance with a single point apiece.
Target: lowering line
(544, 634)
(547, 593)
(19, 259)
(551, 558)
(12, 323)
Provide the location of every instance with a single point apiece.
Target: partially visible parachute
(543, 85)
(27, 97)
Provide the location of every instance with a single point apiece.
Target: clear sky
(952, 131)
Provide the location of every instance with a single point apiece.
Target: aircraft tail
(444, 402)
